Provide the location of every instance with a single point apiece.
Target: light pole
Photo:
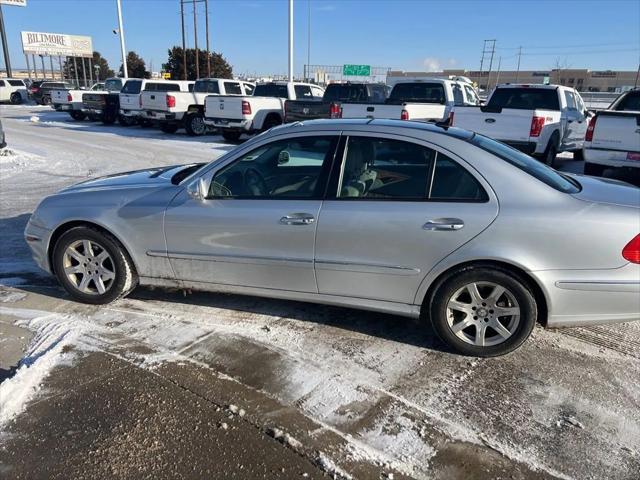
(122, 49)
(291, 40)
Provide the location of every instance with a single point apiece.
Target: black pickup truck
(335, 95)
(104, 105)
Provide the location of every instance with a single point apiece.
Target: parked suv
(13, 90)
(40, 91)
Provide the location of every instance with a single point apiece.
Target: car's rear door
(257, 226)
(395, 208)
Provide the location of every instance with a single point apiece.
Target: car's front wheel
(92, 266)
(16, 98)
(482, 311)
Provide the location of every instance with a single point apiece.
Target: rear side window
(422, 92)
(16, 83)
(629, 102)
(527, 164)
(458, 97)
(132, 86)
(2, 83)
(452, 182)
(570, 99)
(206, 86)
(232, 88)
(525, 99)
(271, 90)
(303, 92)
(248, 89)
(472, 98)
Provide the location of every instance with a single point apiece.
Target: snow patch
(329, 466)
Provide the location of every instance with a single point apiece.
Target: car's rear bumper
(130, 112)
(612, 158)
(224, 123)
(160, 116)
(589, 297)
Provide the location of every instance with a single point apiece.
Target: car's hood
(137, 179)
(607, 190)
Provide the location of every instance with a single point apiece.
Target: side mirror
(283, 157)
(197, 189)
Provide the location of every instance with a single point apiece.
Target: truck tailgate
(154, 101)
(94, 100)
(59, 96)
(298, 110)
(425, 111)
(508, 124)
(130, 101)
(365, 110)
(617, 131)
(227, 107)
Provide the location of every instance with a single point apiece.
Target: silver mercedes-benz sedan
(463, 232)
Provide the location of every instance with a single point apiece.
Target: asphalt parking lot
(167, 384)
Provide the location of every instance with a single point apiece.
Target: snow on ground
(378, 381)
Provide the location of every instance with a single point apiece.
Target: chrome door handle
(444, 224)
(298, 219)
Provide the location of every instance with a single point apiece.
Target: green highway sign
(356, 70)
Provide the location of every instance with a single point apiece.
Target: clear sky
(401, 34)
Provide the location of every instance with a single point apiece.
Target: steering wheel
(254, 183)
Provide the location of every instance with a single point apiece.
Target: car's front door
(257, 226)
(576, 125)
(398, 208)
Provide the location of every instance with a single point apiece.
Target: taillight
(590, 130)
(536, 126)
(171, 101)
(69, 98)
(404, 115)
(335, 111)
(631, 251)
(246, 108)
(450, 121)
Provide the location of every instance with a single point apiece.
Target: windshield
(418, 92)
(525, 99)
(527, 164)
(132, 86)
(113, 85)
(271, 90)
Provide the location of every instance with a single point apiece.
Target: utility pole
(637, 75)
(195, 37)
(498, 75)
(5, 46)
(488, 50)
(206, 14)
(518, 70)
(291, 40)
(307, 74)
(184, 46)
(122, 49)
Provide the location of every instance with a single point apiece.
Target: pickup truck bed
(613, 140)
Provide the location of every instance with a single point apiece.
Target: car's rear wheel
(194, 124)
(482, 311)
(16, 98)
(550, 154)
(92, 266)
(77, 115)
(46, 100)
(271, 121)
(231, 135)
(594, 169)
(169, 127)
(109, 118)
(126, 121)
(578, 155)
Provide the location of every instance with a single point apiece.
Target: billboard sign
(54, 44)
(15, 3)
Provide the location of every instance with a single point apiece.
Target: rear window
(422, 92)
(132, 86)
(525, 99)
(162, 87)
(527, 164)
(16, 83)
(346, 93)
(232, 88)
(271, 90)
(113, 85)
(628, 103)
(206, 86)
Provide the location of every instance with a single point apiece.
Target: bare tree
(558, 66)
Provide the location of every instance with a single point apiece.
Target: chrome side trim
(366, 267)
(628, 286)
(246, 259)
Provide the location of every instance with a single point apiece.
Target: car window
(277, 90)
(579, 103)
(206, 86)
(248, 89)
(16, 83)
(458, 97)
(452, 182)
(232, 88)
(472, 98)
(570, 99)
(422, 92)
(291, 168)
(525, 98)
(2, 84)
(526, 163)
(317, 92)
(303, 92)
(162, 87)
(380, 168)
(629, 102)
(132, 86)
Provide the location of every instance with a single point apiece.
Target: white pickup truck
(13, 90)
(185, 107)
(71, 100)
(265, 109)
(613, 136)
(424, 99)
(129, 107)
(540, 120)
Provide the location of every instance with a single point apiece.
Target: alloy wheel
(89, 267)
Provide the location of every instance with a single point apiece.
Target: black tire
(46, 100)
(578, 155)
(144, 123)
(15, 98)
(109, 118)
(231, 135)
(125, 121)
(125, 278)
(77, 115)
(550, 153)
(169, 127)
(270, 122)
(594, 169)
(92, 117)
(437, 311)
(194, 124)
